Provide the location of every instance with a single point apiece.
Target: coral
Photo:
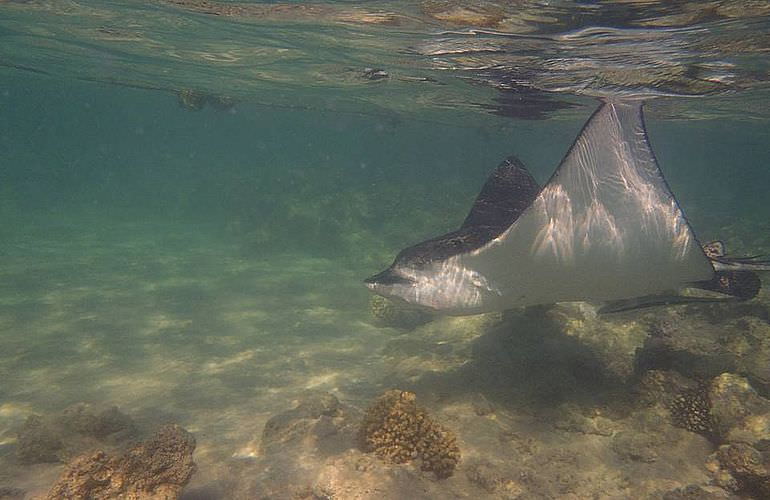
(397, 430)
(389, 313)
(691, 410)
(687, 401)
(157, 468)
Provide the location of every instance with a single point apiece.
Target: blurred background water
(191, 191)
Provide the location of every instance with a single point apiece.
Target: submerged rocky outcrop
(57, 437)
(742, 468)
(326, 448)
(728, 411)
(386, 312)
(11, 493)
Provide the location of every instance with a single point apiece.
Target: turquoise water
(191, 194)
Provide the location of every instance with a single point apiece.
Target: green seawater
(192, 194)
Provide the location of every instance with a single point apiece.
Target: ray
(605, 227)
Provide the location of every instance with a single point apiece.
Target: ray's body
(605, 227)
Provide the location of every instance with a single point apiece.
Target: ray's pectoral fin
(605, 227)
(508, 191)
(422, 274)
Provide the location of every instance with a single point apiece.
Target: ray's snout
(386, 277)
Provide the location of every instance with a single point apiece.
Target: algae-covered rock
(647, 442)
(108, 423)
(37, 442)
(697, 492)
(615, 341)
(740, 413)
(155, 469)
(481, 405)
(311, 451)
(753, 355)
(295, 444)
(663, 386)
(687, 401)
(57, 437)
(399, 431)
(684, 401)
(492, 480)
(571, 419)
(484, 475)
(724, 409)
(637, 446)
(387, 312)
(11, 493)
(705, 342)
(742, 468)
(316, 419)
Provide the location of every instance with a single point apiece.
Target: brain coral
(398, 430)
(691, 410)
